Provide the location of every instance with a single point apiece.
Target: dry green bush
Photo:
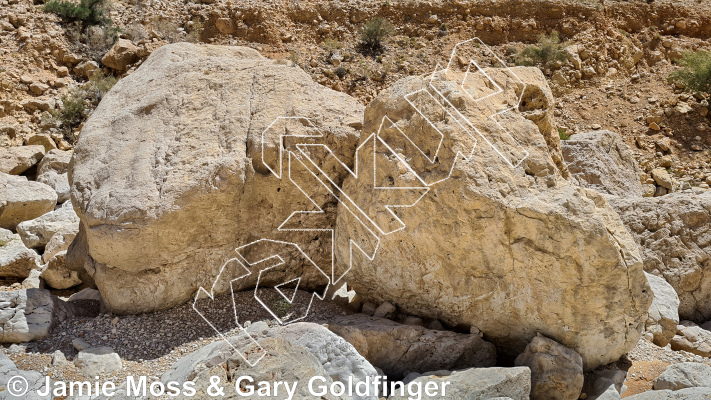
(549, 50)
(373, 33)
(695, 74)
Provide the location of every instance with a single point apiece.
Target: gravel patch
(150, 343)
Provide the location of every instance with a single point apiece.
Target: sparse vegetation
(550, 49)
(373, 34)
(695, 74)
(281, 308)
(331, 45)
(341, 72)
(88, 12)
(167, 29)
(562, 134)
(195, 31)
(79, 101)
(294, 57)
(72, 112)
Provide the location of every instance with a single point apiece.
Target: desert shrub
(88, 12)
(331, 45)
(195, 31)
(548, 50)
(80, 101)
(281, 308)
(340, 72)
(695, 74)
(72, 112)
(100, 39)
(373, 34)
(100, 84)
(294, 57)
(562, 134)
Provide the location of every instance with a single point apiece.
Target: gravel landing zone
(150, 343)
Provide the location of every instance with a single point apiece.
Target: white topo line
(366, 222)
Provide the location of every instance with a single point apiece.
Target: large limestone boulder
(399, 349)
(556, 371)
(672, 232)
(601, 160)
(663, 315)
(23, 200)
(168, 180)
(339, 358)
(504, 244)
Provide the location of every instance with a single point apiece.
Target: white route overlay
(304, 173)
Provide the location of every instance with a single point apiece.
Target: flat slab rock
(96, 361)
(398, 349)
(478, 384)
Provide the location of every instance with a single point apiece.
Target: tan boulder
(168, 180)
(122, 54)
(663, 315)
(16, 260)
(52, 171)
(18, 159)
(505, 244)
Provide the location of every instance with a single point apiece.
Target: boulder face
(672, 232)
(167, 176)
(601, 160)
(509, 250)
